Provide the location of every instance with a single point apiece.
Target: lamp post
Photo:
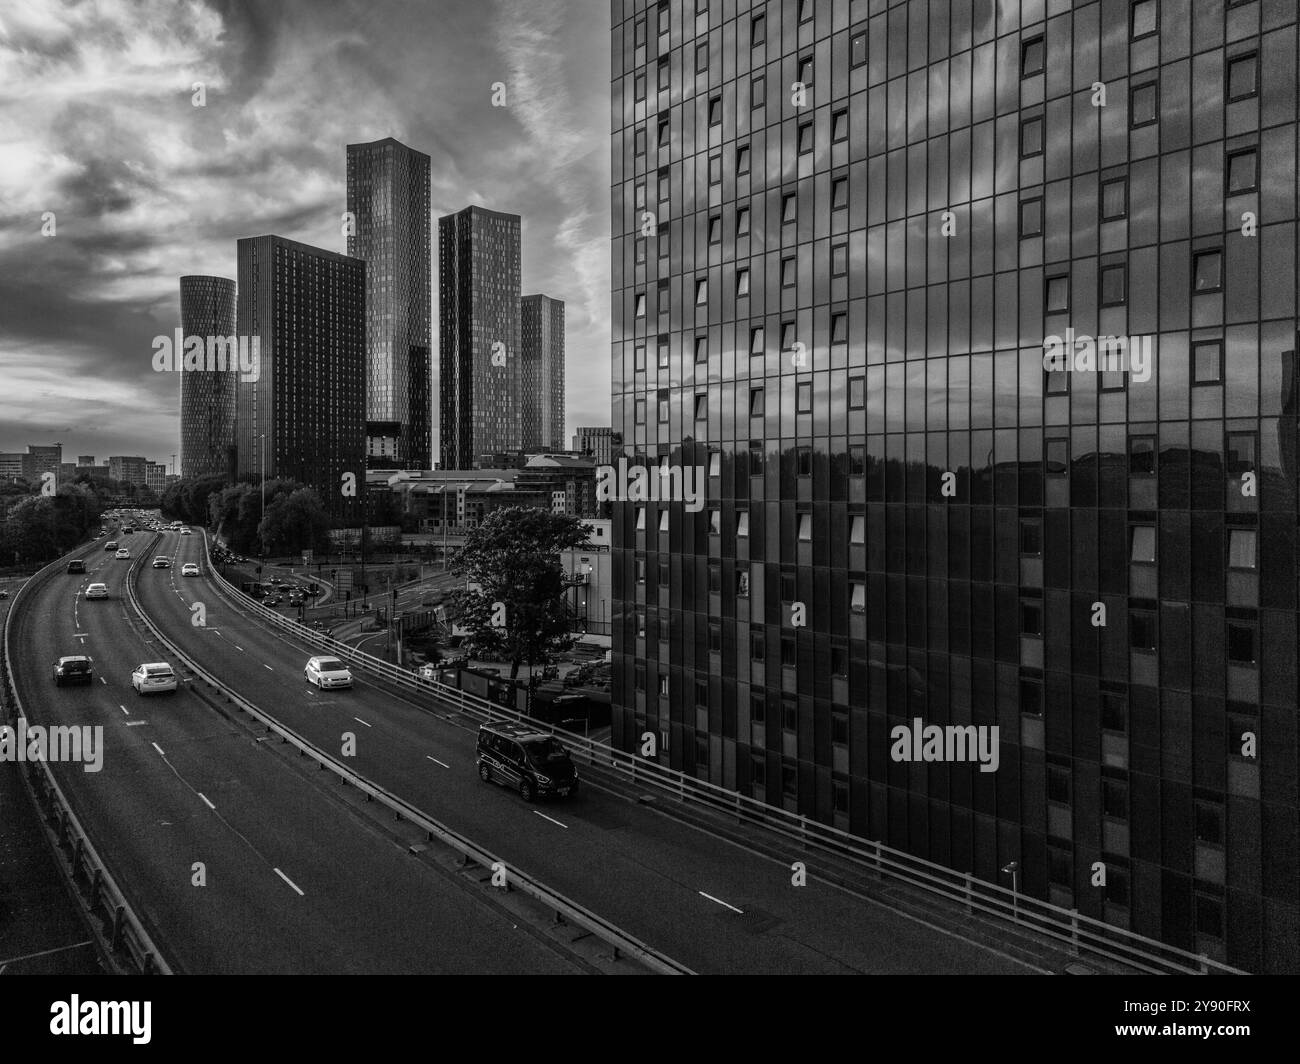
(1013, 869)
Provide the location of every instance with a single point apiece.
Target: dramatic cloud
(98, 129)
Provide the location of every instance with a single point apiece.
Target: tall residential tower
(541, 392)
(208, 396)
(304, 418)
(388, 200)
(478, 336)
(869, 221)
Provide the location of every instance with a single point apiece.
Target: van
(527, 760)
(76, 566)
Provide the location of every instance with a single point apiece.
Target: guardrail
(564, 908)
(1067, 927)
(119, 932)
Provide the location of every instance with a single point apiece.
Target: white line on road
(102, 680)
(205, 799)
(437, 762)
(125, 710)
(365, 722)
(239, 648)
(551, 819)
(267, 667)
(289, 881)
(719, 901)
(159, 749)
(135, 723)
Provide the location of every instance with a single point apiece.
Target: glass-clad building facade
(207, 396)
(541, 385)
(845, 235)
(388, 204)
(479, 287)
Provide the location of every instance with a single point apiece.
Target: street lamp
(1013, 869)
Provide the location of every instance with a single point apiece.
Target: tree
(294, 523)
(515, 607)
(187, 499)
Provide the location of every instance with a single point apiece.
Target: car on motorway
(122, 552)
(327, 672)
(128, 530)
(111, 545)
(76, 566)
(525, 759)
(162, 563)
(154, 678)
(75, 668)
(4, 594)
(186, 532)
(190, 569)
(97, 591)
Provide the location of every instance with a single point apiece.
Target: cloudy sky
(97, 126)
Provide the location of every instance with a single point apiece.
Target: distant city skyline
(265, 154)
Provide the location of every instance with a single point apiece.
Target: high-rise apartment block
(208, 395)
(479, 335)
(388, 205)
(541, 391)
(304, 417)
(866, 256)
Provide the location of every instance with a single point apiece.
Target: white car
(189, 569)
(186, 532)
(162, 563)
(428, 672)
(154, 678)
(97, 591)
(326, 672)
(122, 552)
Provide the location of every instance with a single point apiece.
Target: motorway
(713, 907)
(295, 880)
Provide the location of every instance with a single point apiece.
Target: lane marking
(360, 721)
(719, 901)
(437, 762)
(267, 667)
(135, 723)
(205, 800)
(102, 680)
(125, 710)
(159, 749)
(289, 881)
(554, 821)
(239, 648)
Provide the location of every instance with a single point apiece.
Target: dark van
(530, 761)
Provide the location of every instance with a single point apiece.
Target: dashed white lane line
(289, 881)
(158, 748)
(365, 722)
(205, 800)
(719, 901)
(554, 821)
(102, 680)
(125, 710)
(239, 648)
(135, 723)
(267, 667)
(437, 762)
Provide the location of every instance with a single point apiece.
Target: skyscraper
(388, 198)
(304, 417)
(846, 236)
(541, 392)
(478, 335)
(207, 396)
